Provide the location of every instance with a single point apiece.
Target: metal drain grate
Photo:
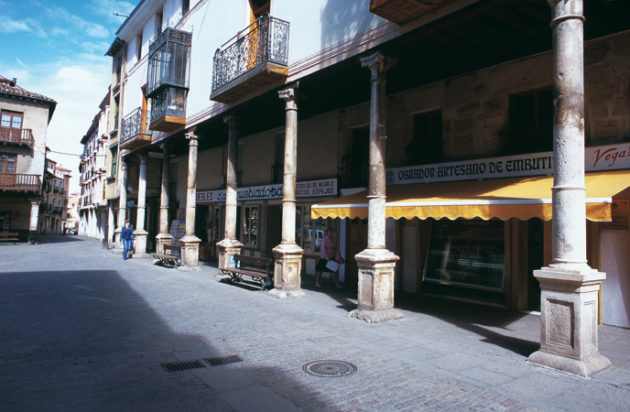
(224, 360)
(329, 368)
(182, 366)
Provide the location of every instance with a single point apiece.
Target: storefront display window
(467, 253)
(250, 226)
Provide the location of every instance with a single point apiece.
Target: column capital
(289, 95)
(566, 10)
(191, 136)
(230, 120)
(377, 63)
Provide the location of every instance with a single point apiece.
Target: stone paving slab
(83, 330)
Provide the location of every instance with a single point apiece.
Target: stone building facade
(359, 119)
(24, 123)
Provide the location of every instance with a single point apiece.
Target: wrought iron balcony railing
(22, 137)
(264, 41)
(133, 125)
(20, 182)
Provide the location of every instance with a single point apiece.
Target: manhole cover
(329, 368)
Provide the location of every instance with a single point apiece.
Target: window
(426, 146)
(185, 6)
(355, 164)
(8, 163)
(11, 120)
(259, 8)
(158, 24)
(114, 170)
(139, 47)
(250, 226)
(530, 124)
(467, 253)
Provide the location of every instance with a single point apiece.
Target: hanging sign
(598, 158)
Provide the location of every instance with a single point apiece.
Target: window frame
(6, 160)
(12, 115)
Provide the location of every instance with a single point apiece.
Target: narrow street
(84, 330)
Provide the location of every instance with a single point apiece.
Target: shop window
(250, 226)
(426, 146)
(355, 164)
(8, 162)
(467, 253)
(530, 125)
(5, 221)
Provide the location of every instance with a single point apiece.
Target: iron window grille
(169, 56)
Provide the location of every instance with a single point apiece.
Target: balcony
(19, 137)
(15, 182)
(402, 11)
(256, 57)
(167, 79)
(134, 133)
(57, 209)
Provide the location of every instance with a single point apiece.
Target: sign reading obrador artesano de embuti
(598, 158)
(312, 188)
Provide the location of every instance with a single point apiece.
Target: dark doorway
(355, 243)
(274, 228)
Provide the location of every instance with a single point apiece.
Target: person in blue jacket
(126, 235)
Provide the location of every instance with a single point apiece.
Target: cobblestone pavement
(84, 330)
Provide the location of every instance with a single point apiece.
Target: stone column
(288, 255)
(164, 237)
(230, 246)
(33, 221)
(569, 287)
(376, 263)
(141, 234)
(111, 223)
(122, 201)
(190, 242)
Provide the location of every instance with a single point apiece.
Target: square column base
(376, 286)
(190, 251)
(287, 279)
(161, 240)
(117, 242)
(140, 244)
(568, 319)
(227, 249)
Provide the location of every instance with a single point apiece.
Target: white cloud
(78, 86)
(8, 25)
(58, 31)
(77, 23)
(96, 30)
(106, 8)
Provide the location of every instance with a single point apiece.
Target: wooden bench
(9, 237)
(256, 269)
(171, 256)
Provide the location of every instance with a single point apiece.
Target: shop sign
(609, 157)
(312, 188)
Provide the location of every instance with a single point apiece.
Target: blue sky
(57, 48)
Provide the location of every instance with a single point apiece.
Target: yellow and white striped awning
(522, 198)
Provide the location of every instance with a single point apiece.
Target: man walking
(126, 235)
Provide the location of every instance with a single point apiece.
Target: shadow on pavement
(42, 239)
(86, 340)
